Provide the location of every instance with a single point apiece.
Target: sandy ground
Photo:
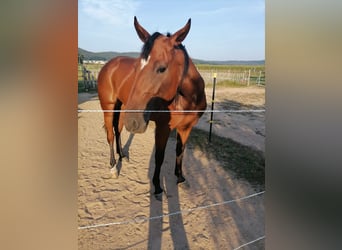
(128, 202)
(246, 128)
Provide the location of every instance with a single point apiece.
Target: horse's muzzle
(136, 123)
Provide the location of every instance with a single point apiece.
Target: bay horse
(162, 85)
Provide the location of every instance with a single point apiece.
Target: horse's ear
(142, 33)
(180, 35)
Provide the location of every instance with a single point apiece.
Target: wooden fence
(87, 80)
(247, 77)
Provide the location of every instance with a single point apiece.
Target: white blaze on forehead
(144, 62)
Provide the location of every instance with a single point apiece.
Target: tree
(80, 59)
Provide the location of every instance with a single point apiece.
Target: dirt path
(128, 200)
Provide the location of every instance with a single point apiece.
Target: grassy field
(239, 68)
(93, 67)
(206, 71)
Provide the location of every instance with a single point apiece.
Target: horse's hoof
(184, 184)
(115, 173)
(112, 163)
(159, 196)
(180, 179)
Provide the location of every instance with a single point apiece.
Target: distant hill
(88, 55)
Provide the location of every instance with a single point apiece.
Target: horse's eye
(161, 69)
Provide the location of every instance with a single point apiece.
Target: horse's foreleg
(182, 137)
(161, 137)
(117, 123)
(108, 119)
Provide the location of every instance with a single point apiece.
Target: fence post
(212, 106)
(84, 75)
(249, 76)
(259, 77)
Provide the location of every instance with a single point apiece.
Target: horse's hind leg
(118, 128)
(108, 120)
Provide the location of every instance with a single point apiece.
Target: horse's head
(159, 71)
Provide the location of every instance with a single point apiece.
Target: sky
(220, 29)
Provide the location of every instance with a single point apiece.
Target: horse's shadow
(125, 149)
(170, 198)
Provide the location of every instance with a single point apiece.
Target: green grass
(81, 86)
(232, 84)
(93, 67)
(245, 162)
(230, 67)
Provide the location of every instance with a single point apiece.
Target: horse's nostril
(132, 125)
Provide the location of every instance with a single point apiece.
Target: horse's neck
(193, 82)
(189, 94)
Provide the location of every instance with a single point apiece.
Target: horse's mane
(146, 49)
(186, 59)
